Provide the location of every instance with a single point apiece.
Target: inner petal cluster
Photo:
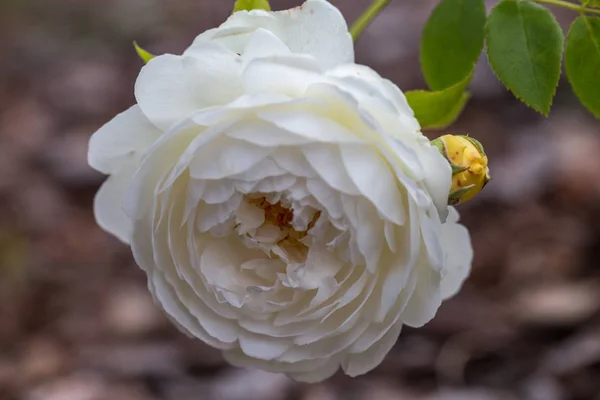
(284, 246)
(276, 233)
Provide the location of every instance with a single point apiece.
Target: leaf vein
(590, 29)
(527, 45)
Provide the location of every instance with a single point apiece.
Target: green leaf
(452, 42)
(251, 5)
(582, 61)
(524, 48)
(143, 54)
(438, 109)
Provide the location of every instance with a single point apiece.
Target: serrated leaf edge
(584, 17)
(541, 111)
(421, 48)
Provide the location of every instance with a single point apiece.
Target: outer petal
(318, 374)
(359, 364)
(316, 28)
(170, 88)
(356, 78)
(108, 203)
(287, 75)
(121, 140)
(264, 43)
(458, 255)
(425, 299)
(438, 178)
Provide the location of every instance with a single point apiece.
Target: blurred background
(76, 321)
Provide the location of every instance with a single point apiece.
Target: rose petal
(170, 88)
(263, 43)
(425, 299)
(316, 28)
(108, 204)
(288, 75)
(372, 176)
(317, 374)
(121, 141)
(360, 78)
(359, 364)
(326, 160)
(458, 255)
(224, 157)
(262, 347)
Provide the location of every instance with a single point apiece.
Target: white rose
(281, 199)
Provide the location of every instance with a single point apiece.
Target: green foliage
(143, 54)
(582, 61)
(524, 48)
(438, 109)
(251, 5)
(452, 42)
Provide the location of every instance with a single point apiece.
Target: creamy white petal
(232, 36)
(395, 284)
(378, 329)
(359, 364)
(263, 43)
(159, 160)
(369, 235)
(430, 229)
(375, 86)
(223, 330)
(108, 204)
(266, 168)
(329, 198)
(238, 358)
(425, 299)
(170, 88)
(170, 301)
(211, 215)
(264, 133)
(317, 374)
(315, 28)
(329, 346)
(162, 292)
(373, 177)
(287, 75)
(327, 161)
(121, 141)
(262, 347)
(314, 127)
(275, 184)
(225, 157)
(438, 178)
(458, 255)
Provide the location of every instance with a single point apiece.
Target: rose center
(276, 234)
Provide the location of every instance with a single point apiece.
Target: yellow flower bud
(470, 172)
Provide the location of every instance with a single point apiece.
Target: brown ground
(76, 322)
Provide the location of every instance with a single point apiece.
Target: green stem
(571, 6)
(369, 15)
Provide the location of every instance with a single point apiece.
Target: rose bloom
(281, 199)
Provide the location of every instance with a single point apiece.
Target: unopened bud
(469, 164)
